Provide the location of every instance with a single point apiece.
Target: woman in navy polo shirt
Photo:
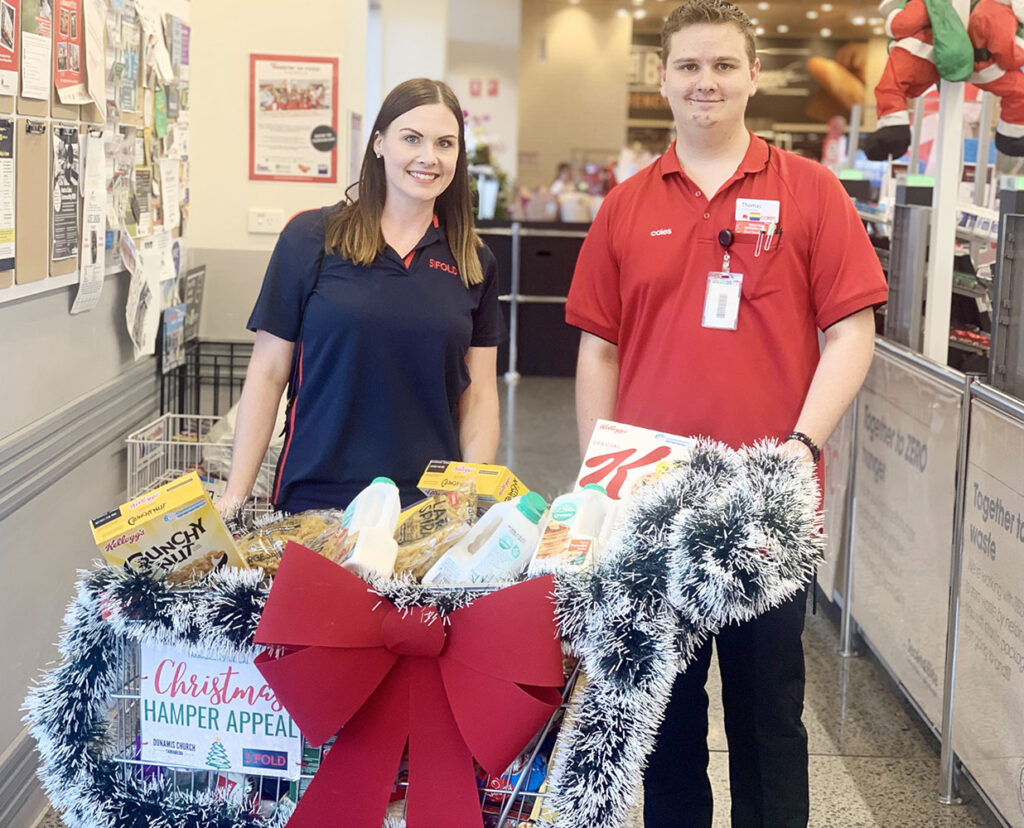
(381, 317)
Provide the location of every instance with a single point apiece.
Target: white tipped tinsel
(717, 540)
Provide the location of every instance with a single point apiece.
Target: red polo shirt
(642, 272)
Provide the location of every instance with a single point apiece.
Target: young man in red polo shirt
(700, 291)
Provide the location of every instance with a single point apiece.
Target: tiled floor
(872, 765)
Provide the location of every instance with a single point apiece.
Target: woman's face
(419, 150)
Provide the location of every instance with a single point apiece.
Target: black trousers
(762, 668)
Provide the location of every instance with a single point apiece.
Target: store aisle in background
(872, 763)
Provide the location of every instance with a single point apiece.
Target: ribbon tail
(442, 780)
(355, 780)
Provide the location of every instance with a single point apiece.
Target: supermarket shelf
(965, 346)
(978, 292)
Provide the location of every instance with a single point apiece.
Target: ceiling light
(782, 28)
(759, 30)
(638, 2)
(878, 30)
(876, 21)
(763, 6)
(826, 7)
(754, 21)
(812, 14)
(640, 14)
(574, 2)
(858, 20)
(826, 33)
(622, 12)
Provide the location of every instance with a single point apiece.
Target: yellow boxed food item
(171, 529)
(494, 484)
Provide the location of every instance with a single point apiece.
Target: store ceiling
(843, 20)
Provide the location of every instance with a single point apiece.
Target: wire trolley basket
(175, 444)
(506, 802)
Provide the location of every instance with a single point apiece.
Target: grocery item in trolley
(428, 529)
(498, 547)
(577, 527)
(170, 531)
(264, 545)
(620, 457)
(494, 484)
(366, 541)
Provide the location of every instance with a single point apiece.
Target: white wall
(224, 33)
(413, 41)
(483, 45)
(572, 85)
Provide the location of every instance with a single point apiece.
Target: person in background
(381, 317)
(563, 182)
(700, 291)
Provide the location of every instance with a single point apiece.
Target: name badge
(753, 215)
(722, 301)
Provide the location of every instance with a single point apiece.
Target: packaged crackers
(494, 484)
(170, 531)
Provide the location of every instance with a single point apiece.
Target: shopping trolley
(175, 444)
(506, 802)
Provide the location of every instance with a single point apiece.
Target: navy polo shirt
(379, 360)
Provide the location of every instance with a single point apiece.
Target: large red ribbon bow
(478, 685)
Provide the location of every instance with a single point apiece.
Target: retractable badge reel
(722, 297)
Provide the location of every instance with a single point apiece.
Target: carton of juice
(171, 529)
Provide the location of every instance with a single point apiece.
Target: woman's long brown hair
(353, 230)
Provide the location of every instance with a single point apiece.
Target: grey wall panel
(233, 280)
(48, 357)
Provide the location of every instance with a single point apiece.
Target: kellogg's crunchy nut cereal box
(171, 529)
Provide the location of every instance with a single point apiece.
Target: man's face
(707, 78)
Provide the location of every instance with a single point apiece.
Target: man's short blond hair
(695, 12)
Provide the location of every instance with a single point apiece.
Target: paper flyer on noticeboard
(36, 48)
(66, 174)
(9, 27)
(7, 200)
(69, 65)
(293, 118)
(95, 54)
(94, 193)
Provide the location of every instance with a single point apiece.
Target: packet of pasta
(426, 530)
(264, 545)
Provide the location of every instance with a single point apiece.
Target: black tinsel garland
(720, 539)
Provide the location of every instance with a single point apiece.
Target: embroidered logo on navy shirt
(447, 268)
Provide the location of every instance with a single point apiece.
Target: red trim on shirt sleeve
(291, 430)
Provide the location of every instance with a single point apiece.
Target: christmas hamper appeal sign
(988, 700)
(205, 713)
(908, 428)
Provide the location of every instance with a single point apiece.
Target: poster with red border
(10, 26)
(293, 118)
(68, 52)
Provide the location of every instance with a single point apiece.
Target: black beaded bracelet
(799, 436)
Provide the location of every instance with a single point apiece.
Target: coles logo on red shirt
(447, 268)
